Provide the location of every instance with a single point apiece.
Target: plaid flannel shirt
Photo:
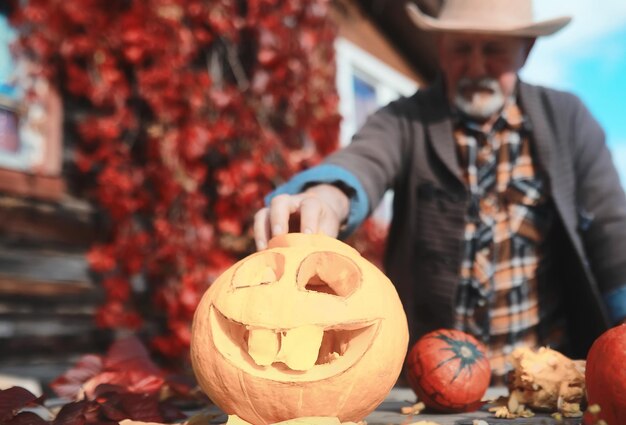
(504, 250)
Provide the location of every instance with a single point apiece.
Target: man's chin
(482, 110)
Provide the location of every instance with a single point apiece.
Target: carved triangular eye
(261, 268)
(330, 273)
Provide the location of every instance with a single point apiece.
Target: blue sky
(588, 57)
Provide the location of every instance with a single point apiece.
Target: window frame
(353, 61)
(388, 83)
(35, 168)
(38, 117)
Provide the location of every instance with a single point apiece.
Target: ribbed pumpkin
(306, 327)
(605, 376)
(449, 371)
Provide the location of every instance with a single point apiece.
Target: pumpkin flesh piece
(263, 346)
(300, 347)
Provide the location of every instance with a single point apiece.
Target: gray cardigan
(408, 146)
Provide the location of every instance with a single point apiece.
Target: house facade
(47, 298)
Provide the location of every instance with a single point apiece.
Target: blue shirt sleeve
(329, 173)
(616, 304)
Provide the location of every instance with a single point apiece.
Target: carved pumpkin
(605, 376)
(306, 327)
(449, 371)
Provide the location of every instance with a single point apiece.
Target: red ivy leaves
(126, 365)
(190, 112)
(123, 384)
(12, 400)
(110, 406)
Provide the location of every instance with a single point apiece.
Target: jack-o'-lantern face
(306, 314)
(297, 326)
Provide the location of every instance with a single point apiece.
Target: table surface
(389, 413)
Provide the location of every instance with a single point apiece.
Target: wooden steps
(47, 297)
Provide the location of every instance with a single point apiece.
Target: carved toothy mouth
(304, 353)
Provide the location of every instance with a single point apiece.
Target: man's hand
(322, 209)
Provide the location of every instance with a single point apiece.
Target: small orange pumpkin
(306, 327)
(449, 371)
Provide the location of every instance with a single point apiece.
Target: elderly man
(509, 219)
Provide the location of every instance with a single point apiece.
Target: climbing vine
(181, 115)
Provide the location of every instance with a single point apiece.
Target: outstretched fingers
(320, 209)
(262, 228)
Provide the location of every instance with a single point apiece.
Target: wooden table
(388, 413)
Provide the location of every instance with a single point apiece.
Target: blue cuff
(616, 304)
(328, 173)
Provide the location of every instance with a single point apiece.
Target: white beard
(481, 106)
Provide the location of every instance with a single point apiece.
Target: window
(365, 101)
(30, 132)
(364, 84)
(9, 140)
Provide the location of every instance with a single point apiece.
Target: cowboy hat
(503, 17)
